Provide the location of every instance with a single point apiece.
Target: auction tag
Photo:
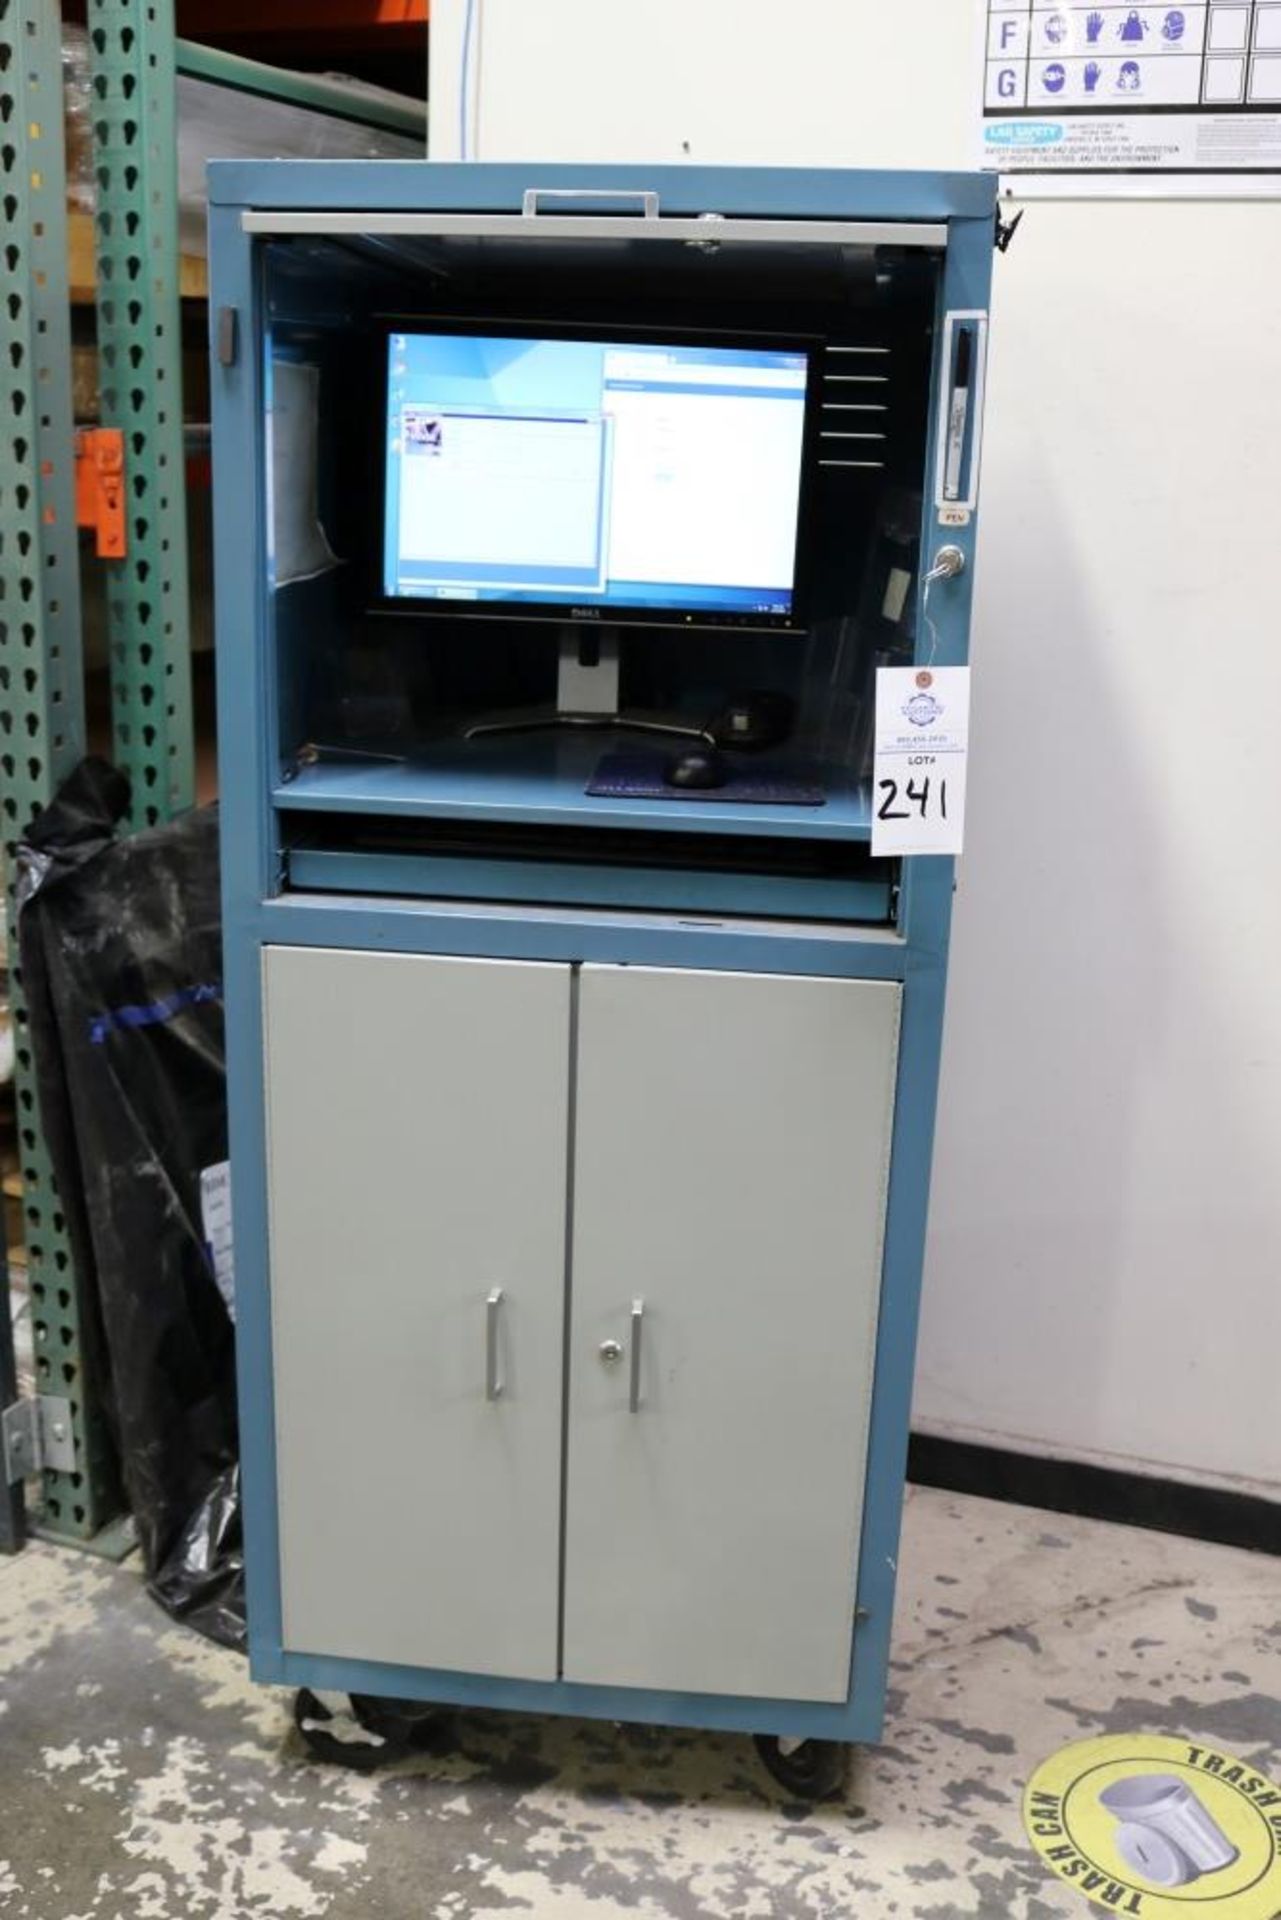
(918, 780)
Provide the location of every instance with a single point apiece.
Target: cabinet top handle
(647, 198)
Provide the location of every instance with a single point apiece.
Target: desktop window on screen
(593, 473)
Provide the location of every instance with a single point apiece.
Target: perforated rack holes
(140, 364)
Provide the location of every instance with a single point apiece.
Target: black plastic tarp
(120, 940)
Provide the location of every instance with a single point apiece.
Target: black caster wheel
(807, 1769)
(389, 1730)
(410, 1724)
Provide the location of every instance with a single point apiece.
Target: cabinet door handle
(638, 1321)
(493, 1381)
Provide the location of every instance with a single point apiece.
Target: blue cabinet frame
(259, 910)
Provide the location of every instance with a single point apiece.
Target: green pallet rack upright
(41, 681)
(42, 725)
(135, 160)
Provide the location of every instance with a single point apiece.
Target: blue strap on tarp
(123, 1019)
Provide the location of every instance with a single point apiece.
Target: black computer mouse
(696, 767)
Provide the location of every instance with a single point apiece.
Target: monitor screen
(638, 479)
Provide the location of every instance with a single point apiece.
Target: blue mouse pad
(639, 776)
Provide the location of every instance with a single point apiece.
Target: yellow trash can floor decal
(1146, 1825)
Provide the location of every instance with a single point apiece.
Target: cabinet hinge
(37, 1436)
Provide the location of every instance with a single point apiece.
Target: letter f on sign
(1009, 31)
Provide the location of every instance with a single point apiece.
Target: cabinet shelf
(543, 781)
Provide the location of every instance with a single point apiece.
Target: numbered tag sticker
(918, 779)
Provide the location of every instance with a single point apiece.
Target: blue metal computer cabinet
(580, 1141)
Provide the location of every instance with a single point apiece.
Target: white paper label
(918, 780)
(301, 546)
(896, 592)
(215, 1217)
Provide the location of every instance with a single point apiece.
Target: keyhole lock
(611, 1352)
(948, 563)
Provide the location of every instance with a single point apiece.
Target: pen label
(955, 516)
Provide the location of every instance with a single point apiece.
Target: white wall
(830, 82)
(1104, 1271)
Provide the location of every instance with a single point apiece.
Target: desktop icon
(424, 432)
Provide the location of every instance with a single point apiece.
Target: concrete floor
(141, 1774)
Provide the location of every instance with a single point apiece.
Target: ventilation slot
(854, 407)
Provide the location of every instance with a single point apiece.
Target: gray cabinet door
(417, 1144)
(732, 1147)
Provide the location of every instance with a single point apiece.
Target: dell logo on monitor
(584, 613)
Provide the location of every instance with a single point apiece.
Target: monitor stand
(587, 696)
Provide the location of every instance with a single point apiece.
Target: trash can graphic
(1165, 1834)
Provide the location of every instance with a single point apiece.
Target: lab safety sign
(1159, 1828)
(1132, 89)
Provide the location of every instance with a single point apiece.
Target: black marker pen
(959, 415)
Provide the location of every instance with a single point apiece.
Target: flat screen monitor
(646, 480)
